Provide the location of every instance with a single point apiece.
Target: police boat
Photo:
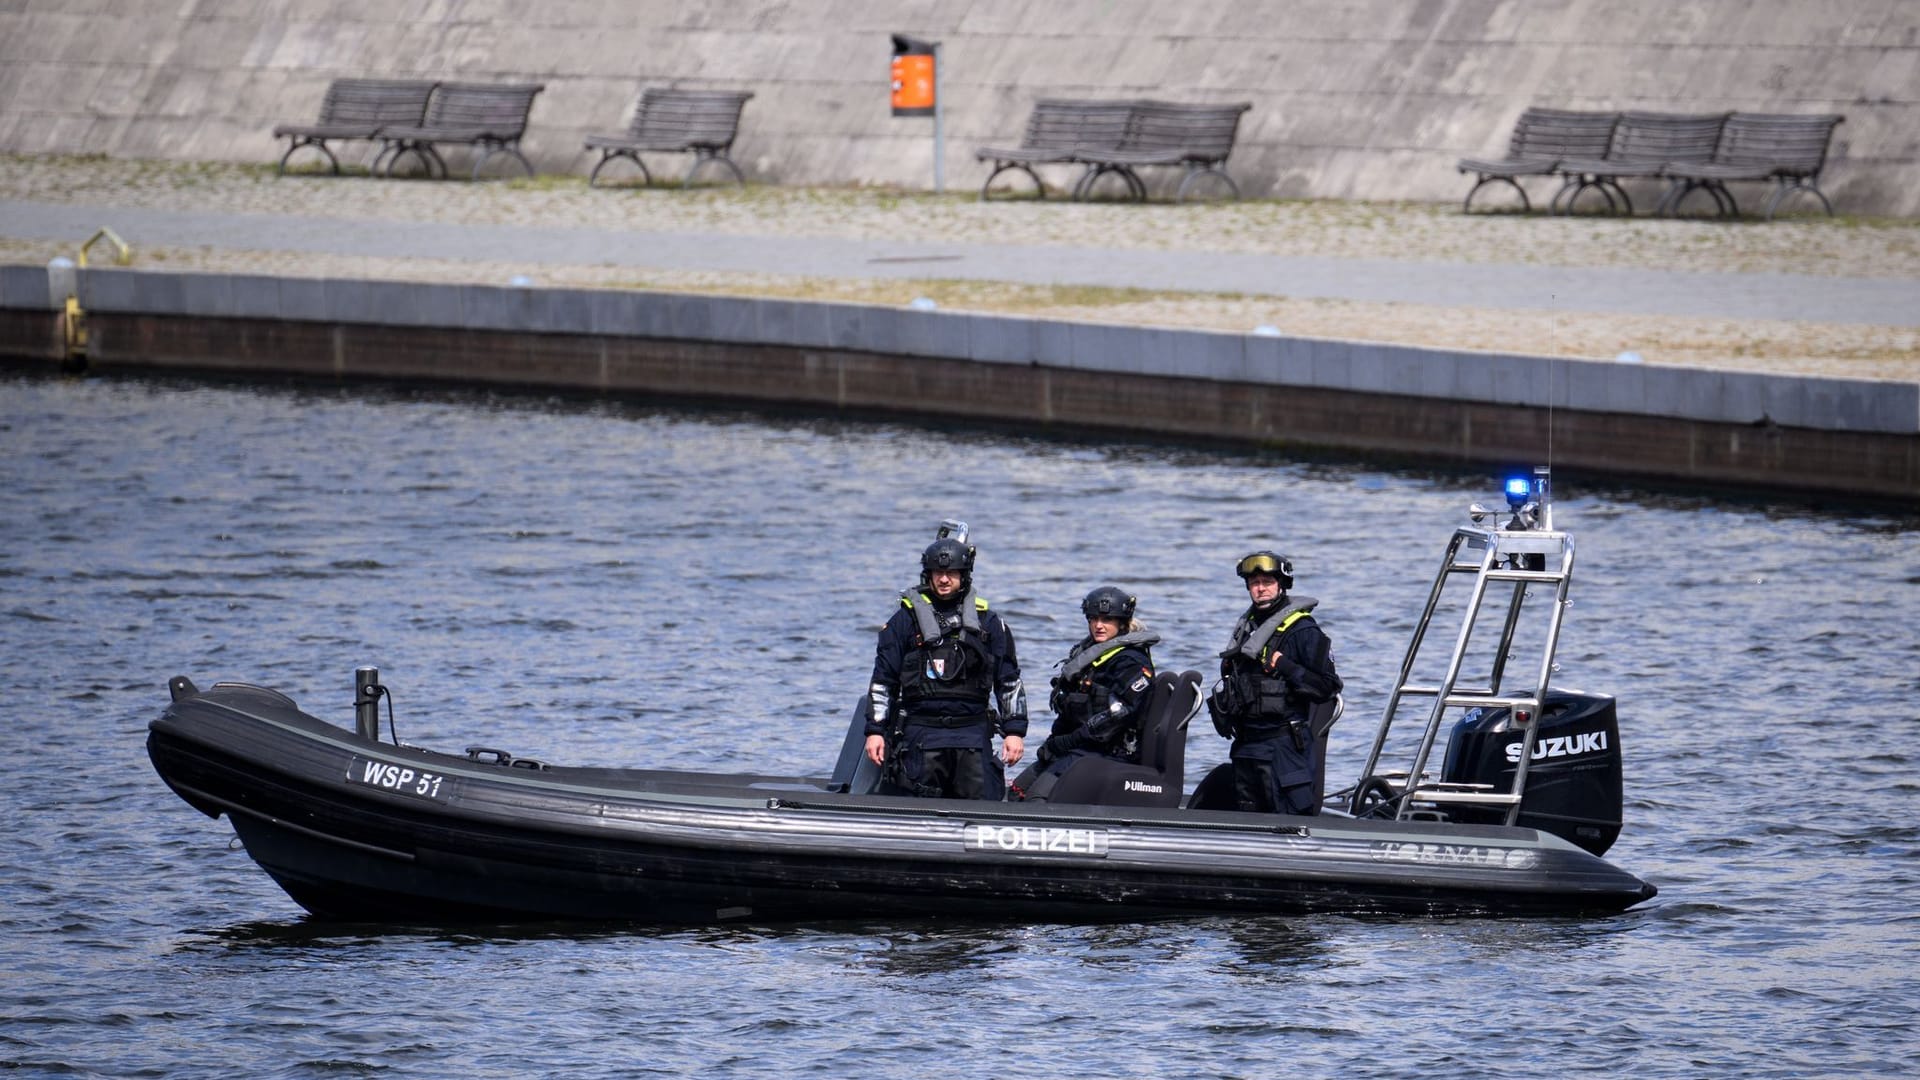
(1526, 800)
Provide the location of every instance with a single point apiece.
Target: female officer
(1097, 695)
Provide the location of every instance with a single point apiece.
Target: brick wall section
(1367, 99)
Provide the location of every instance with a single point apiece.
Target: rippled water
(612, 584)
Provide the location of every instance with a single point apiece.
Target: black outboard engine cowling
(1573, 782)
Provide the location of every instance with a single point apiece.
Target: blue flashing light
(1518, 488)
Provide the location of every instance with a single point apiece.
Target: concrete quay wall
(1695, 426)
(1352, 99)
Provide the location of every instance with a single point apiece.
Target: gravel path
(1385, 272)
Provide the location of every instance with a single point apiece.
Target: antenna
(1552, 362)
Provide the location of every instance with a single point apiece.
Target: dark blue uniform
(941, 665)
(1097, 696)
(1278, 664)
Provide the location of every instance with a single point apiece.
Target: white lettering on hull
(390, 777)
(1036, 840)
(1430, 854)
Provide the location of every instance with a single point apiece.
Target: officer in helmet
(942, 660)
(1102, 682)
(1278, 665)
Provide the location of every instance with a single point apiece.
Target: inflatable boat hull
(357, 829)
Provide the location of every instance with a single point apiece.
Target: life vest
(1075, 695)
(949, 660)
(1255, 692)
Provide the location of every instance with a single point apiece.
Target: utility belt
(940, 721)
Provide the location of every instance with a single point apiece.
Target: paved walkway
(1616, 290)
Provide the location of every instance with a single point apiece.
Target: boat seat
(854, 773)
(1160, 776)
(1215, 790)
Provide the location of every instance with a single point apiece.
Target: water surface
(599, 583)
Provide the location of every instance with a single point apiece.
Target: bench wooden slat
(672, 120)
(489, 116)
(1117, 137)
(1645, 144)
(1786, 148)
(357, 109)
(1541, 137)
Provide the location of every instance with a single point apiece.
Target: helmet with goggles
(1267, 563)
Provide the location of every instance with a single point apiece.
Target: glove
(1058, 746)
(1283, 665)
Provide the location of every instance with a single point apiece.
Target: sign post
(916, 92)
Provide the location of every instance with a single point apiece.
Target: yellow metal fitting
(122, 254)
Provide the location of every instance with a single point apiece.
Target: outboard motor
(1573, 782)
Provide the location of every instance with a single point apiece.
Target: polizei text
(1037, 839)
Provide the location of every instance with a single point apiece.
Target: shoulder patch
(980, 603)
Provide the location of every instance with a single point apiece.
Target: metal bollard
(366, 702)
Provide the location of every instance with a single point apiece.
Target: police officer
(1097, 695)
(940, 661)
(1278, 665)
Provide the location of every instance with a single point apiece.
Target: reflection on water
(605, 583)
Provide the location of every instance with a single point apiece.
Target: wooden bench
(490, 116)
(1788, 150)
(1541, 139)
(356, 109)
(1197, 138)
(1645, 145)
(701, 122)
(1060, 131)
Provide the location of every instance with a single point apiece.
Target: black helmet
(1107, 602)
(946, 553)
(1268, 563)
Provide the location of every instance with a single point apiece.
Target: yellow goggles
(1259, 562)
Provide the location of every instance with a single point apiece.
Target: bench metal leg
(1136, 188)
(1616, 187)
(700, 160)
(608, 156)
(1787, 186)
(1723, 203)
(317, 144)
(429, 159)
(1198, 171)
(1525, 206)
(1039, 189)
(1571, 191)
(497, 150)
(377, 165)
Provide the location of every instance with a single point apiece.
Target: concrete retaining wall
(1368, 99)
(1701, 426)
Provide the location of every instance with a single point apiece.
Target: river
(595, 582)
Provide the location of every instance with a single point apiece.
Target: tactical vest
(950, 660)
(1256, 693)
(1073, 688)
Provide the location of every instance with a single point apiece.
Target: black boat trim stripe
(232, 807)
(1057, 813)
